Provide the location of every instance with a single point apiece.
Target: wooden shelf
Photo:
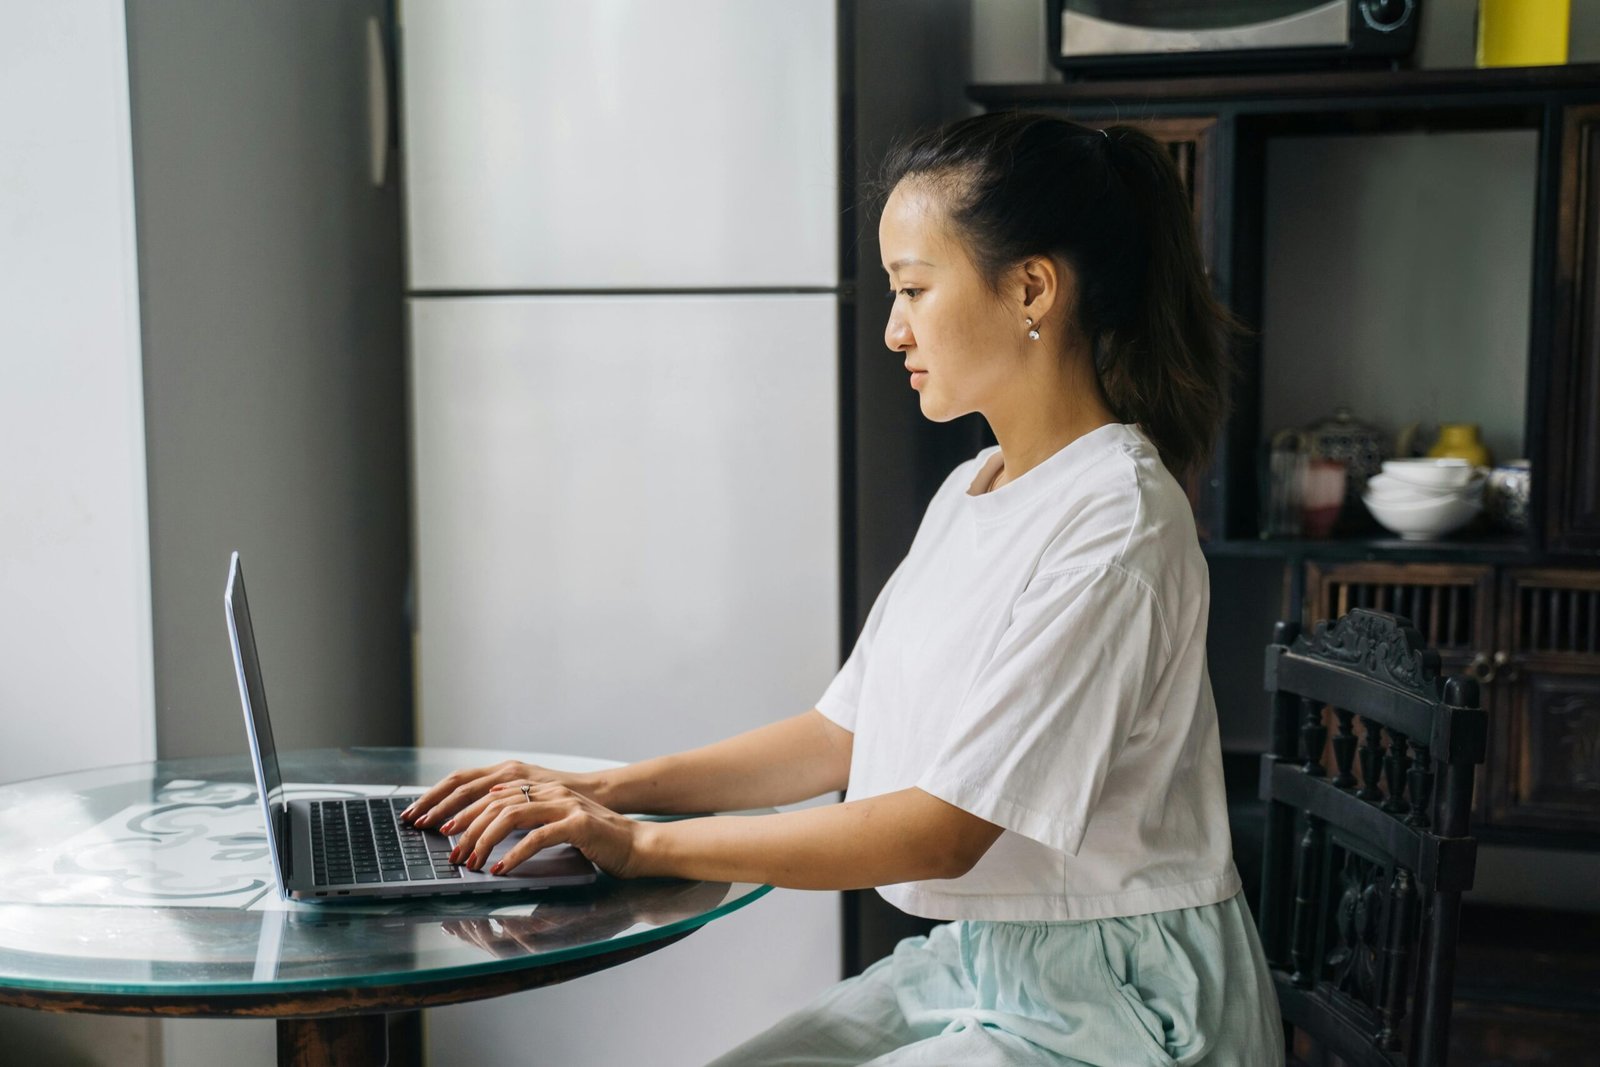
(1510, 550)
(1341, 85)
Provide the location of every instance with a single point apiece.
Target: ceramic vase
(1459, 440)
(1506, 497)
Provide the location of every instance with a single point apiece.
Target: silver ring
(527, 793)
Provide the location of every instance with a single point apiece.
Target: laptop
(357, 848)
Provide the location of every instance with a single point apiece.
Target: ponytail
(1111, 204)
(1169, 366)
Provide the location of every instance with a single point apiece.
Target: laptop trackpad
(556, 861)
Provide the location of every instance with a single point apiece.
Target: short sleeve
(843, 695)
(1050, 712)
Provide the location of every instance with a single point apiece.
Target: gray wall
(274, 375)
(1394, 286)
(910, 72)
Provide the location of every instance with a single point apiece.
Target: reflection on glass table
(148, 889)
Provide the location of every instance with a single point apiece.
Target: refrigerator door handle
(377, 104)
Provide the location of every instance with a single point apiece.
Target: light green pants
(1177, 987)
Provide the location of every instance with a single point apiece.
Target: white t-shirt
(1039, 660)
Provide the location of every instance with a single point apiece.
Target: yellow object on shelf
(1523, 33)
(1459, 440)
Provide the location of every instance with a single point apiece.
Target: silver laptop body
(317, 846)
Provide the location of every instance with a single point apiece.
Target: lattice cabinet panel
(1547, 678)
(1450, 605)
(1554, 614)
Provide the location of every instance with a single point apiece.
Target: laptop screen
(253, 693)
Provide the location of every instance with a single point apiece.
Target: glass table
(147, 889)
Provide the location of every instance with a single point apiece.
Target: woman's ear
(1039, 284)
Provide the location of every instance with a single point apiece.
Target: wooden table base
(339, 1041)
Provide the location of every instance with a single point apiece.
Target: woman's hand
(553, 814)
(460, 797)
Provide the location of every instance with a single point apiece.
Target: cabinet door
(1572, 450)
(1549, 690)
(1451, 605)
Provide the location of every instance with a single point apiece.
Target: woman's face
(960, 340)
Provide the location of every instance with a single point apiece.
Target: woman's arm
(791, 760)
(903, 836)
(784, 762)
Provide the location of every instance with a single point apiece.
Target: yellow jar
(1459, 440)
(1523, 33)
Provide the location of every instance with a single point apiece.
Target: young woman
(1025, 727)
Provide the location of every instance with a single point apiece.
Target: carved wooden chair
(1366, 852)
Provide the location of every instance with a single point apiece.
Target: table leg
(340, 1041)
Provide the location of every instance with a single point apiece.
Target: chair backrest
(1366, 850)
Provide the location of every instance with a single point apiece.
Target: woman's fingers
(507, 812)
(552, 814)
(604, 837)
(458, 790)
(468, 814)
(468, 833)
(447, 786)
(551, 833)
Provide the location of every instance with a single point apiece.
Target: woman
(1026, 726)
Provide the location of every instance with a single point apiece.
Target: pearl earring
(1033, 334)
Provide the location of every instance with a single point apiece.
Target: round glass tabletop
(154, 879)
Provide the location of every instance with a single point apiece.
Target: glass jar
(1361, 447)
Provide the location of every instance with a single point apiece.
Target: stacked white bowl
(1421, 499)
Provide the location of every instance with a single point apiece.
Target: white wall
(76, 687)
(75, 659)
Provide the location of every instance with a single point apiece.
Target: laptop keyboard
(358, 841)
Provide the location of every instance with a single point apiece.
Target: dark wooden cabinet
(1220, 129)
(1519, 611)
(1513, 609)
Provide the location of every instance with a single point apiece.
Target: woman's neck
(1045, 416)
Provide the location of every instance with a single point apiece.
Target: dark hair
(1112, 206)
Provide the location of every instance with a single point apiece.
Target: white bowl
(1392, 487)
(1423, 520)
(1432, 473)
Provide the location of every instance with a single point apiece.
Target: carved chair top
(1376, 645)
(1376, 665)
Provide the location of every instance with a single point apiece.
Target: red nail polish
(446, 827)
(496, 868)
(473, 862)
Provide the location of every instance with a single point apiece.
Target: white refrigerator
(622, 237)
